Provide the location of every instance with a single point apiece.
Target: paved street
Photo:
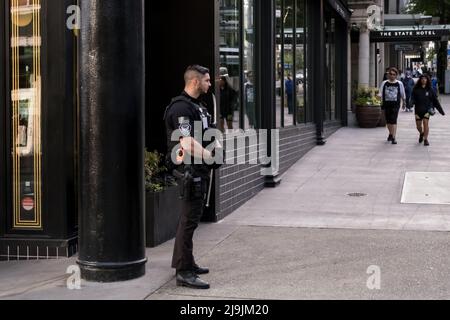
(307, 239)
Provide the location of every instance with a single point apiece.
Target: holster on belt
(186, 179)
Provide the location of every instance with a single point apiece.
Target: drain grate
(357, 194)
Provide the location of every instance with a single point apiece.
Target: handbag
(431, 110)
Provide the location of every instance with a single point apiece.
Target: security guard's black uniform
(181, 115)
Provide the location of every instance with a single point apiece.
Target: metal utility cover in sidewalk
(426, 188)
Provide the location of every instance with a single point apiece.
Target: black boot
(200, 270)
(191, 280)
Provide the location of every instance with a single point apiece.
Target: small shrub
(156, 176)
(367, 96)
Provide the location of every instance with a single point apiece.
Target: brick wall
(240, 182)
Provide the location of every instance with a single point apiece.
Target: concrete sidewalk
(307, 239)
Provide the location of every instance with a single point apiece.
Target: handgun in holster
(186, 183)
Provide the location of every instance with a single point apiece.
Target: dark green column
(265, 80)
(112, 235)
(317, 45)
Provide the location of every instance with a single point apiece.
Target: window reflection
(249, 65)
(300, 62)
(237, 65)
(309, 109)
(26, 112)
(230, 67)
(291, 78)
(289, 82)
(279, 85)
(330, 52)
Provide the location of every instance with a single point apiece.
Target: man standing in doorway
(393, 95)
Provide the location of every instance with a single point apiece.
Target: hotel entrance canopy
(410, 33)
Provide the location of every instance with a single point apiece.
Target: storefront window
(279, 85)
(25, 112)
(330, 65)
(289, 80)
(291, 62)
(230, 64)
(237, 65)
(300, 62)
(308, 56)
(249, 65)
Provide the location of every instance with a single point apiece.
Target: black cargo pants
(191, 213)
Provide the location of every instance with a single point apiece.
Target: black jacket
(423, 99)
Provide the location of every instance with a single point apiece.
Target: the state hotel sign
(408, 35)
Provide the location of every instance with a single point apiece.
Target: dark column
(317, 45)
(442, 64)
(265, 80)
(112, 244)
(3, 101)
(341, 69)
(265, 36)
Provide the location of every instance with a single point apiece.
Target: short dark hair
(198, 68)
(194, 71)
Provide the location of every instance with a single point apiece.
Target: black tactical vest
(199, 113)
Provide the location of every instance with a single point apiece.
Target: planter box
(368, 116)
(162, 215)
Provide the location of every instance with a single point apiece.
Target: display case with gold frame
(37, 136)
(26, 42)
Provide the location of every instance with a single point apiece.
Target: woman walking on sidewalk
(424, 99)
(392, 93)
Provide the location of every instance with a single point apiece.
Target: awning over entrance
(410, 33)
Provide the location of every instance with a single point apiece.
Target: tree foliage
(435, 8)
(441, 9)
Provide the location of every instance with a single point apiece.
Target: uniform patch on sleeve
(185, 126)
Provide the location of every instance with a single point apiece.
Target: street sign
(404, 47)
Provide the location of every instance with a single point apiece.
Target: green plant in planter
(367, 96)
(156, 175)
(368, 107)
(162, 201)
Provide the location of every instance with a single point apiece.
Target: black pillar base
(272, 181)
(112, 272)
(321, 141)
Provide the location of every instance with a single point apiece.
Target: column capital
(363, 27)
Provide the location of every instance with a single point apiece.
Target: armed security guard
(181, 118)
